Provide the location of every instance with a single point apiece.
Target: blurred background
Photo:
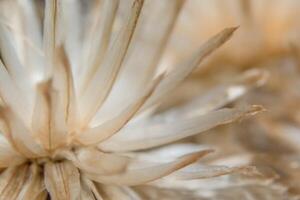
(267, 39)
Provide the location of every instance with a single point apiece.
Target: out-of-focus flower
(79, 84)
(265, 28)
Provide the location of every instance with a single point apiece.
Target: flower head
(79, 87)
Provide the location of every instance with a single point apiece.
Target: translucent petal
(140, 175)
(105, 76)
(180, 72)
(110, 127)
(158, 133)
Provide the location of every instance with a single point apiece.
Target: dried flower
(78, 100)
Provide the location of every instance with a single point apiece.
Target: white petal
(9, 156)
(110, 127)
(221, 95)
(94, 161)
(145, 136)
(50, 34)
(12, 96)
(142, 61)
(97, 39)
(118, 192)
(33, 28)
(198, 171)
(62, 181)
(67, 90)
(167, 153)
(88, 190)
(183, 70)
(51, 114)
(71, 27)
(139, 175)
(34, 187)
(104, 78)
(32, 37)
(20, 136)
(17, 71)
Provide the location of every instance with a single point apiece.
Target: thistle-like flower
(78, 92)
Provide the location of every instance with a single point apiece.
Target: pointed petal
(71, 27)
(32, 39)
(62, 181)
(167, 153)
(50, 36)
(157, 133)
(143, 61)
(110, 127)
(106, 75)
(198, 171)
(17, 71)
(20, 136)
(63, 98)
(221, 95)
(49, 117)
(12, 96)
(94, 161)
(183, 70)
(97, 39)
(140, 175)
(41, 116)
(31, 21)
